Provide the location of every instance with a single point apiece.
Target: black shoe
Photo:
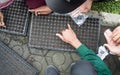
(51, 70)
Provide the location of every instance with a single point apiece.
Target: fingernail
(109, 30)
(104, 45)
(56, 34)
(3, 26)
(39, 13)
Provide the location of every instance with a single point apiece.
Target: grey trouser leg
(83, 67)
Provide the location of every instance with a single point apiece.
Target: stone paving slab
(12, 63)
(40, 58)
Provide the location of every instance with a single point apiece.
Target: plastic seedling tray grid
(43, 30)
(16, 18)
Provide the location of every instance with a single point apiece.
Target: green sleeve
(87, 54)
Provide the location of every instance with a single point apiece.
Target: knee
(83, 67)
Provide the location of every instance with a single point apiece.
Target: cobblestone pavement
(40, 58)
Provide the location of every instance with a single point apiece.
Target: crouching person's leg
(82, 67)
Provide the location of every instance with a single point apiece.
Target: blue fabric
(83, 67)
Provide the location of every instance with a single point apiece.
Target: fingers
(108, 35)
(2, 24)
(60, 36)
(36, 13)
(31, 10)
(117, 37)
(63, 31)
(115, 33)
(69, 27)
(1, 18)
(116, 29)
(118, 41)
(109, 47)
(41, 10)
(106, 45)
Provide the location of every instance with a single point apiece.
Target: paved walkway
(40, 58)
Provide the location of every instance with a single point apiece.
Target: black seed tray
(12, 64)
(44, 28)
(16, 18)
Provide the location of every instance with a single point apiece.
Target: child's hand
(111, 45)
(2, 24)
(69, 36)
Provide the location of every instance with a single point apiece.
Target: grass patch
(110, 7)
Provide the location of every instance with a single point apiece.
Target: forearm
(76, 43)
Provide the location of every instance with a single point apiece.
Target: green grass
(110, 7)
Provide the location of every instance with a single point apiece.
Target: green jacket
(87, 54)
